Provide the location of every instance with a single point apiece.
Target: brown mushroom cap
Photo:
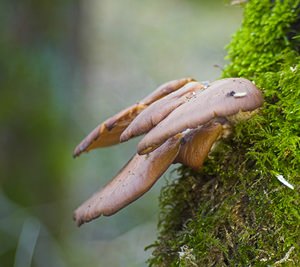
(221, 99)
(108, 133)
(136, 178)
(160, 109)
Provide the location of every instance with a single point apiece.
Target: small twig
(238, 2)
(286, 256)
(284, 181)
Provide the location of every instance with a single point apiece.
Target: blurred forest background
(66, 66)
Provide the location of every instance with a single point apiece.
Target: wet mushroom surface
(182, 120)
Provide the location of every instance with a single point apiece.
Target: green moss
(234, 211)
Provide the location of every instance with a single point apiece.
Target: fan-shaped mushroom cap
(160, 109)
(221, 99)
(108, 133)
(136, 178)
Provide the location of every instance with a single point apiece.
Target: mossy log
(235, 211)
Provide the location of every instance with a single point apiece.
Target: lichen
(234, 211)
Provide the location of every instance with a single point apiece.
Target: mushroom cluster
(182, 120)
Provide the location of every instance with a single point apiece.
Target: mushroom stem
(199, 142)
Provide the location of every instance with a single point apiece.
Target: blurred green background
(66, 66)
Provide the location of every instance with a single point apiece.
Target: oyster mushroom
(184, 120)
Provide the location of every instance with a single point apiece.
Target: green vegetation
(234, 211)
(36, 71)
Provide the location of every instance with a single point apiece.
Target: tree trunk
(235, 211)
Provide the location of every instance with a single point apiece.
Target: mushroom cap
(136, 178)
(160, 109)
(222, 98)
(108, 133)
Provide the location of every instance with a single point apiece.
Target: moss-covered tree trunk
(235, 211)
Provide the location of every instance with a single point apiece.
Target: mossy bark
(235, 211)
